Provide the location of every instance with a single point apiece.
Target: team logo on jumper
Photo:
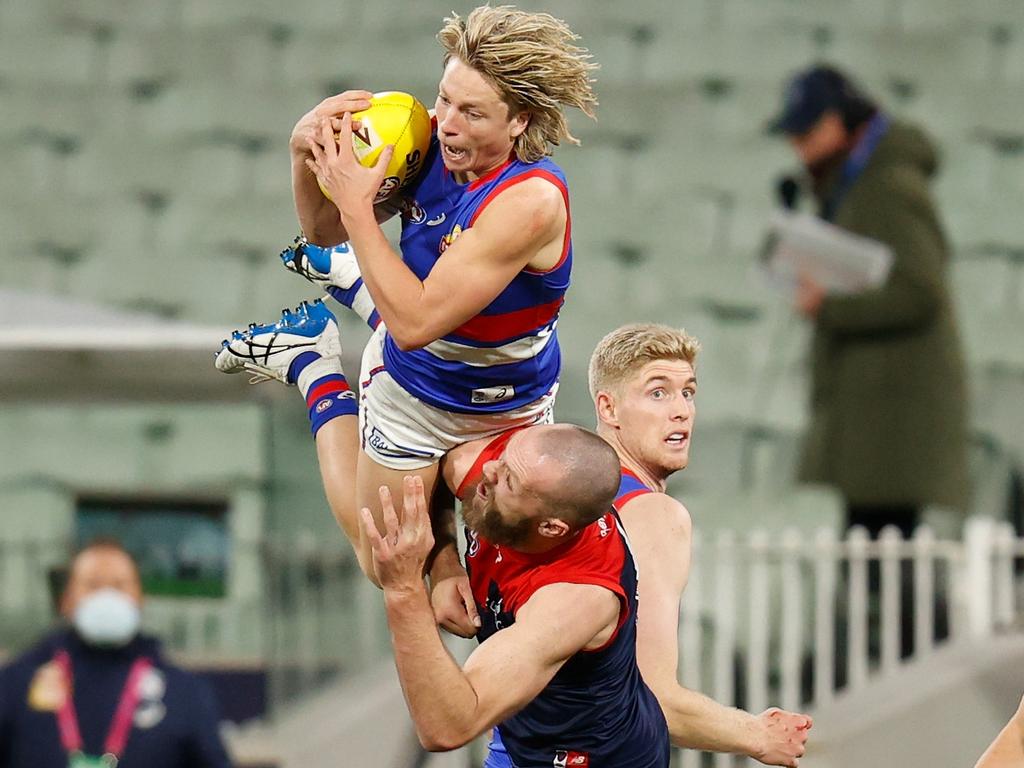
(412, 211)
(472, 543)
(569, 759)
(496, 607)
(602, 523)
(448, 239)
(497, 394)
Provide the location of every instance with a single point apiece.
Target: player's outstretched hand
(454, 606)
(310, 124)
(783, 737)
(351, 185)
(400, 554)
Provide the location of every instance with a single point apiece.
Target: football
(393, 118)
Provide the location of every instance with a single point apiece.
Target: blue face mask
(107, 618)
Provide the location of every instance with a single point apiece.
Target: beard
(483, 518)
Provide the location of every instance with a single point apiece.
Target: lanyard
(855, 163)
(67, 718)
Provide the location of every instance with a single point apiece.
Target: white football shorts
(401, 432)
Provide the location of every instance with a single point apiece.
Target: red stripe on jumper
(327, 388)
(494, 328)
(537, 173)
(491, 174)
(628, 497)
(490, 452)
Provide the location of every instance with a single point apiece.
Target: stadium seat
(987, 12)
(930, 14)
(1013, 54)
(822, 14)
(247, 56)
(771, 53)
(110, 14)
(894, 54)
(331, 63)
(305, 16)
(188, 110)
(385, 19)
(48, 57)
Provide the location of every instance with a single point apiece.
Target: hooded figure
(888, 424)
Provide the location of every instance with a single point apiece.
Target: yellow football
(393, 118)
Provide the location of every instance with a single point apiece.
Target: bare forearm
(698, 722)
(397, 293)
(441, 699)
(1007, 750)
(318, 216)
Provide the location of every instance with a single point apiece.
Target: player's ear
(520, 122)
(554, 528)
(607, 412)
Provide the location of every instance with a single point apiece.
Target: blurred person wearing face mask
(97, 693)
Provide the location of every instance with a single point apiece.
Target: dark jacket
(889, 400)
(175, 724)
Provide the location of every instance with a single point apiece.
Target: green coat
(888, 398)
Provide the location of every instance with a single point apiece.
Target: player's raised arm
(318, 216)
(451, 706)
(522, 226)
(507, 237)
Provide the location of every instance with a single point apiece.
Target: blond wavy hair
(532, 61)
(625, 350)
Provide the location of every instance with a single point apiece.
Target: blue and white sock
(324, 387)
(358, 299)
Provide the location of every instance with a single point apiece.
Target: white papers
(801, 244)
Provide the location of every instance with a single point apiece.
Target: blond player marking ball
(398, 119)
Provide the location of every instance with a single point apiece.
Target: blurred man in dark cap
(888, 423)
(97, 693)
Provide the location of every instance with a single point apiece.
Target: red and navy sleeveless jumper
(596, 711)
(508, 355)
(630, 487)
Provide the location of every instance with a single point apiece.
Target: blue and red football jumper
(596, 712)
(508, 355)
(630, 487)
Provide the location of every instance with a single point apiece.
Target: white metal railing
(767, 619)
(775, 619)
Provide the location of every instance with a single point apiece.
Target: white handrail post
(924, 590)
(825, 546)
(725, 627)
(690, 635)
(857, 621)
(1003, 575)
(979, 534)
(890, 624)
(758, 595)
(792, 619)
